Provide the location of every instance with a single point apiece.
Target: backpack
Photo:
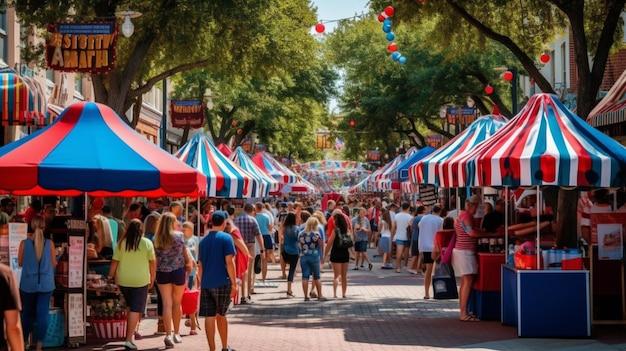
(343, 240)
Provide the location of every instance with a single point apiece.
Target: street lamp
(128, 28)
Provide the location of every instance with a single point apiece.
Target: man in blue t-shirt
(216, 269)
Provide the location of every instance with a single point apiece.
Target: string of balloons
(392, 47)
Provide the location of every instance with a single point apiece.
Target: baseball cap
(219, 217)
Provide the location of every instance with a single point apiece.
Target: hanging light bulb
(127, 27)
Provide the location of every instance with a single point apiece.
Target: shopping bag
(444, 283)
(190, 301)
(257, 264)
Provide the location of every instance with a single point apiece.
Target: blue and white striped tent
(244, 161)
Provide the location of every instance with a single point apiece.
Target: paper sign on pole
(17, 233)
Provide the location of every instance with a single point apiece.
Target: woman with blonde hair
(150, 225)
(173, 262)
(37, 258)
(103, 238)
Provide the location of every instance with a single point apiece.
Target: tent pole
(506, 224)
(186, 208)
(86, 206)
(538, 206)
(200, 230)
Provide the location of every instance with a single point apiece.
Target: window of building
(564, 65)
(78, 84)
(3, 36)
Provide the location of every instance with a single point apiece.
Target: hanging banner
(373, 155)
(81, 47)
(187, 113)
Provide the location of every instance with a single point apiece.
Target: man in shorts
(249, 228)
(266, 227)
(216, 270)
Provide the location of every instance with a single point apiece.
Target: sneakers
(169, 344)
(178, 339)
(129, 346)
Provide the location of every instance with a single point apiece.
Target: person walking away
(321, 225)
(116, 226)
(149, 228)
(361, 226)
(265, 226)
(191, 242)
(217, 279)
(251, 233)
(403, 225)
(428, 227)
(386, 228)
(338, 247)
(242, 255)
(310, 242)
(289, 236)
(37, 258)
(414, 264)
(464, 260)
(279, 219)
(373, 215)
(134, 269)
(173, 262)
(11, 334)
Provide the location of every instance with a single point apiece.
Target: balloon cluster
(392, 47)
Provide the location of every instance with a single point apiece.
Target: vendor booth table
(546, 303)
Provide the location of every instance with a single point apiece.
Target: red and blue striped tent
(275, 169)
(22, 100)
(301, 186)
(240, 158)
(434, 169)
(224, 178)
(545, 144)
(89, 149)
(227, 151)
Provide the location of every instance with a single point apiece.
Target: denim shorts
(176, 277)
(404, 243)
(268, 243)
(360, 246)
(136, 298)
(310, 264)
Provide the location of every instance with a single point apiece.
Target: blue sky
(336, 9)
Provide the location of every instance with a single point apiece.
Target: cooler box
(485, 305)
(489, 276)
(55, 335)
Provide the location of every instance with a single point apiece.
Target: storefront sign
(75, 312)
(17, 233)
(187, 113)
(81, 47)
(76, 261)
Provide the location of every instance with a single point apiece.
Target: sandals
(370, 266)
(469, 318)
(290, 294)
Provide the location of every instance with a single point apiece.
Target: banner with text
(187, 113)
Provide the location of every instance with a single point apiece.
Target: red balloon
(392, 47)
(381, 18)
(488, 89)
(507, 75)
(320, 27)
(389, 10)
(352, 123)
(544, 58)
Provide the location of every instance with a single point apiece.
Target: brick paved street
(384, 311)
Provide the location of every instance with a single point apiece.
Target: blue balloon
(386, 28)
(396, 56)
(391, 36)
(387, 22)
(402, 60)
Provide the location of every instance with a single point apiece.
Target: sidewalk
(384, 311)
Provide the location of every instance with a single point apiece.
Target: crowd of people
(219, 250)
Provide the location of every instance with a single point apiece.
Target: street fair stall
(434, 169)
(225, 149)
(276, 170)
(88, 151)
(224, 178)
(544, 145)
(242, 159)
(332, 175)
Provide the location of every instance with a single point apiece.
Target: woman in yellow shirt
(134, 270)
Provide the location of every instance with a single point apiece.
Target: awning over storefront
(22, 100)
(611, 110)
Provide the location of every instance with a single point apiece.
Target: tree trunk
(567, 223)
